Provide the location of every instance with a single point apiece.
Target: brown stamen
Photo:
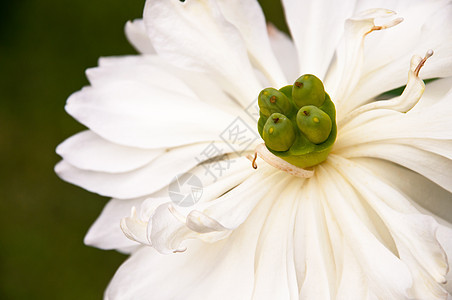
(278, 163)
(253, 163)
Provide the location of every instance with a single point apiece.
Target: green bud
(314, 123)
(278, 133)
(308, 90)
(272, 101)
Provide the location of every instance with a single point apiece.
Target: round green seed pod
(272, 101)
(308, 90)
(278, 133)
(314, 123)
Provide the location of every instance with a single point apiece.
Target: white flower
(373, 220)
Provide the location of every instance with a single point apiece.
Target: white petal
(285, 52)
(410, 97)
(195, 35)
(435, 92)
(213, 219)
(134, 228)
(134, 114)
(227, 265)
(201, 223)
(88, 151)
(306, 20)
(137, 36)
(105, 233)
(181, 276)
(313, 254)
(432, 122)
(274, 265)
(232, 209)
(136, 183)
(170, 225)
(249, 19)
(387, 276)
(351, 279)
(405, 37)
(220, 176)
(413, 232)
(137, 228)
(418, 188)
(426, 25)
(167, 228)
(434, 167)
(149, 70)
(444, 235)
(166, 231)
(440, 147)
(347, 68)
(153, 70)
(428, 195)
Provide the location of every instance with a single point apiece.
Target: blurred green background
(45, 46)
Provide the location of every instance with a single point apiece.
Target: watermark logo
(185, 190)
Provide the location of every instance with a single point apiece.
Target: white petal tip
(395, 22)
(59, 167)
(89, 240)
(180, 250)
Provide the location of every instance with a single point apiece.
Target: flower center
(297, 123)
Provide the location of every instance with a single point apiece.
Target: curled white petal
(411, 94)
(347, 69)
(199, 222)
(134, 228)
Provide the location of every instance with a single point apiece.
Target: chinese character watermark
(214, 161)
(239, 136)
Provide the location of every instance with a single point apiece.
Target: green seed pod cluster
(298, 122)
